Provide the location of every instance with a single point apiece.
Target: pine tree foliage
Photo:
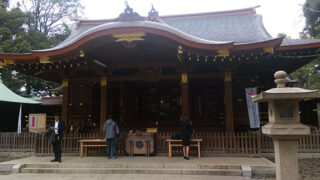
(33, 25)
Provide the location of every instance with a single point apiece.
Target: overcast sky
(283, 16)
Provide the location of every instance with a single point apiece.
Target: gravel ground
(309, 169)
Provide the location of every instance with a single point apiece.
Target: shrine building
(149, 72)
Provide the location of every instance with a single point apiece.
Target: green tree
(311, 11)
(42, 25)
(11, 28)
(51, 16)
(309, 75)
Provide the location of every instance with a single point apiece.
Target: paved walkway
(147, 160)
(114, 177)
(135, 161)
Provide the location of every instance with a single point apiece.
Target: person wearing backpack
(117, 131)
(109, 128)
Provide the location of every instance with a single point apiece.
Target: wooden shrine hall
(149, 72)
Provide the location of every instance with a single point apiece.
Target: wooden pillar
(65, 102)
(228, 103)
(103, 103)
(185, 95)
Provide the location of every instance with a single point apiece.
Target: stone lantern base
(286, 131)
(285, 141)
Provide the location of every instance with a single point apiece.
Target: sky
(279, 16)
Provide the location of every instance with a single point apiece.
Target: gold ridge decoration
(268, 50)
(81, 53)
(65, 82)
(223, 52)
(129, 37)
(8, 62)
(103, 80)
(184, 78)
(44, 60)
(227, 76)
(180, 51)
(1, 64)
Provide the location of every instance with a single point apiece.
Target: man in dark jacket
(109, 128)
(58, 126)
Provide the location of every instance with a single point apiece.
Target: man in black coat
(58, 126)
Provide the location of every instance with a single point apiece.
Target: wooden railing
(70, 145)
(307, 144)
(17, 142)
(214, 143)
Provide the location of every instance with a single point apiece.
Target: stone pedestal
(285, 141)
(286, 159)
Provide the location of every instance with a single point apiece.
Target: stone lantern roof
(283, 92)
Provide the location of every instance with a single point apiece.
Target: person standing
(58, 126)
(109, 128)
(186, 130)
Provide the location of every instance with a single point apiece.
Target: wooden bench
(178, 143)
(85, 143)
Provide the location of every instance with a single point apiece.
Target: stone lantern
(284, 124)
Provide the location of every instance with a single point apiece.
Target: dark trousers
(57, 148)
(111, 142)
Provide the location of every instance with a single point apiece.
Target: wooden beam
(65, 102)
(185, 95)
(147, 78)
(142, 65)
(228, 103)
(103, 102)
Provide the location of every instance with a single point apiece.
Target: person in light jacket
(109, 128)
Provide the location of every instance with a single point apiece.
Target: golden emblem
(223, 52)
(129, 37)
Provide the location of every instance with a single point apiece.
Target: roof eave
(258, 45)
(299, 46)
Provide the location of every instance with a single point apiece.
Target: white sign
(253, 110)
(33, 121)
(37, 122)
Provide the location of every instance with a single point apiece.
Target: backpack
(117, 131)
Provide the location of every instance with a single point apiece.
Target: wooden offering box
(140, 143)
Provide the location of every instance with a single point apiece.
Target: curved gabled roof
(240, 26)
(208, 31)
(140, 26)
(234, 30)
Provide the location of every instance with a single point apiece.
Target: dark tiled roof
(239, 29)
(239, 26)
(75, 33)
(288, 42)
(51, 101)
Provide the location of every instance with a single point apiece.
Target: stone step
(220, 172)
(124, 165)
